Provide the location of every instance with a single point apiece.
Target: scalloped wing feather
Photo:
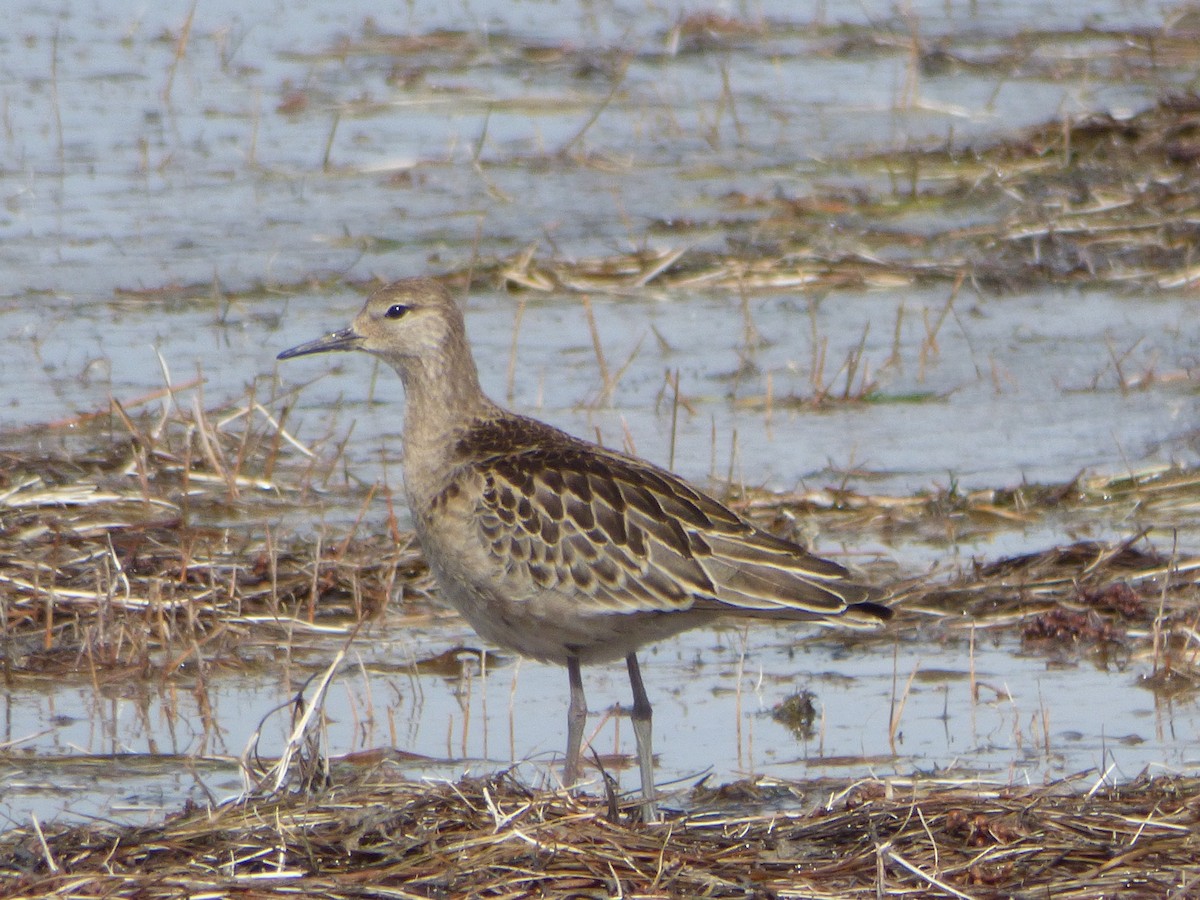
(624, 536)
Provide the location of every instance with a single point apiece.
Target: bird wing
(627, 536)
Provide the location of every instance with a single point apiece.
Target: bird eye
(395, 311)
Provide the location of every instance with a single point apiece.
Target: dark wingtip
(878, 610)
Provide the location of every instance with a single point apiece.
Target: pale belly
(551, 627)
(544, 624)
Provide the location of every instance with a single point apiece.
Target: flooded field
(915, 284)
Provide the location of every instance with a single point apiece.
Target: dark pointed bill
(345, 339)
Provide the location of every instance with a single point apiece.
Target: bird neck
(442, 399)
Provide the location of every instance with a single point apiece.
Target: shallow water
(125, 173)
(993, 713)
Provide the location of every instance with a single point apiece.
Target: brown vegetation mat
(145, 551)
(137, 548)
(376, 837)
(1096, 200)
(111, 564)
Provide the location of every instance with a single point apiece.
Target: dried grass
(1094, 200)
(111, 558)
(378, 835)
(109, 569)
(116, 558)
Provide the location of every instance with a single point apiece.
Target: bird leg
(641, 731)
(576, 718)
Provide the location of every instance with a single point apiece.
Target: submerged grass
(112, 565)
(139, 549)
(1097, 200)
(147, 545)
